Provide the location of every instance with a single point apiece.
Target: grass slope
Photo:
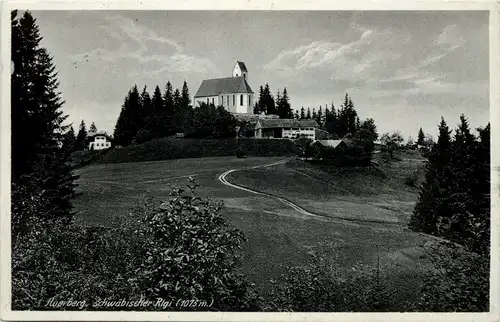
(170, 148)
(371, 194)
(277, 235)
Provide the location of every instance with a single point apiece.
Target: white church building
(234, 93)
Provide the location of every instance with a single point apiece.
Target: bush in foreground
(191, 253)
(322, 286)
(459, 281)
(180, 250)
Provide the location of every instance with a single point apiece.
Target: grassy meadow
(363, 214)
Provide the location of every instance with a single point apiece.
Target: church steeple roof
(242, 66)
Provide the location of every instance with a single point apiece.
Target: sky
(404, 69)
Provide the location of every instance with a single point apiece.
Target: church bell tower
(240, 70)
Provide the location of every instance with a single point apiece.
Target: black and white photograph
(269, 161)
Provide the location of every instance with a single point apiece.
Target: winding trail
(222, 178)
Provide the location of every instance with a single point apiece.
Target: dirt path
(222, 178)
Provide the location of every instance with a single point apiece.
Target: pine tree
(185, 101)
(432, 204)
(38, 158)
(157, 100)
(146, 103)
(481, 193)
(168, 97)
(177, 100)
(421, 137)
(286, 109)
(314, 115)
(462, 172)
(302, 113)
(153, 120)
(331, 123)
(81, 137)
(178, 119)
(320, 117)
(296, 115)
(165, 118)
(131, 118)
(93, 128)
(279, 108)
(119, 133)
(308, 114)
(260, 104)
(268, 102)
(69, 140)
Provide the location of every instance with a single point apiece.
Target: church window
(227, 100)
(234, 99)
(241, 100)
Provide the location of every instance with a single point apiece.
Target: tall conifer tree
(420, 137)
(432, 203)
(185, 101)
(39, 162)
(81, 137)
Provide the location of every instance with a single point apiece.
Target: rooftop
(242, 66)
(330, 143)
(268, 124)
(227, 85)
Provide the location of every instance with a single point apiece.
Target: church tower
(240, 70)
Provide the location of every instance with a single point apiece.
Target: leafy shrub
(458, 283)
(304, 147)
(182, 249)
(191, 253)
(322, 286)
(55, 261)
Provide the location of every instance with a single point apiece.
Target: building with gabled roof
(234, 93)
(331, 143)
(98, 140)
(285, 128)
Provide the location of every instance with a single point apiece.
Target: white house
(234, 93)
(98, 140)
(285, 128)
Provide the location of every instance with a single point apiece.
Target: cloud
(422, 76)
(144, 45)
(450, 37)
(319, 53)
(374, 56)
(364, 59)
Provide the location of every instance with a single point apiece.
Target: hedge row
(170, 148)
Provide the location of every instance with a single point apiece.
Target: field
(359, 216)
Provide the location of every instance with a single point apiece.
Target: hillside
(371, 194)
(171, 148)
